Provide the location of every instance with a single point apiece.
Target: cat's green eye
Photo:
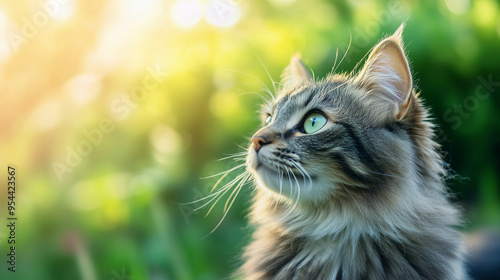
(268, 119)
(314, 122)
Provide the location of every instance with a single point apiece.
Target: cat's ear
(387, 73)
(295, 73)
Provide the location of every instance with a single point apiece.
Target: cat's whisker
(235, 155)
(217, 195)
(213, 205)
(334, 89)
(203, 198)
(280, 178)
(225, 172)
(299, 169)
(238, 188)
(221, 192)
(230, 184)
(232, 193)
(355, 201)
(342, 59)
(270, 78)
(266, 88)
(298, 193)
(336, 56)
(245, 150)
(289, 179)
(256, 93)
(303, 172)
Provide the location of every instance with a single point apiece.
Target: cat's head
(343, 135)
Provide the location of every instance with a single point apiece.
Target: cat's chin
(291, 186)
(284, 182)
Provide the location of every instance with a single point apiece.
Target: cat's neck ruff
(337, 239)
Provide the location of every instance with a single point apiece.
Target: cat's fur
(362, 198)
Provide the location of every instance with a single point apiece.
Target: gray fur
(363, 198)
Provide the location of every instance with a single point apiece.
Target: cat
(350, 184)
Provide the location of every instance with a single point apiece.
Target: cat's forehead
(291, 105)
(323, 94)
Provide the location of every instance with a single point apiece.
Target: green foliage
(103, 200)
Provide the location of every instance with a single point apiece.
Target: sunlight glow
(60, 10)
(84, 87)
(47, 115)
(485, 13)
(166, 140)
(222, 13)
(282, 3)
(4, 44)
(186, 13)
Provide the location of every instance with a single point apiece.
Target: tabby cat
(349, 181)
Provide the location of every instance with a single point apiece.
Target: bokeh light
(222, 13)
(458, 7)
(186, 13)
(112, 112)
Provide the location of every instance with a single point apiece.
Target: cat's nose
(259, 141)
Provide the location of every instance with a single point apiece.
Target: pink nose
(259, 141)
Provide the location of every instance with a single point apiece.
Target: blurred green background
(113, 111)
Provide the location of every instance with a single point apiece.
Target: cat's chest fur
(330, 247)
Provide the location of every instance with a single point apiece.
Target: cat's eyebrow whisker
(269, 75)
(336, 56)
(258, 94)
(342, 59)
(266, 88)
(333, 89)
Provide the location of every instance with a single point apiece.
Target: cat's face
(339, 136)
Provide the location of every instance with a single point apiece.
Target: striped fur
(362, 198)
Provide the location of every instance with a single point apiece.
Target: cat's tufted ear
(295, 73)
(387, 74)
